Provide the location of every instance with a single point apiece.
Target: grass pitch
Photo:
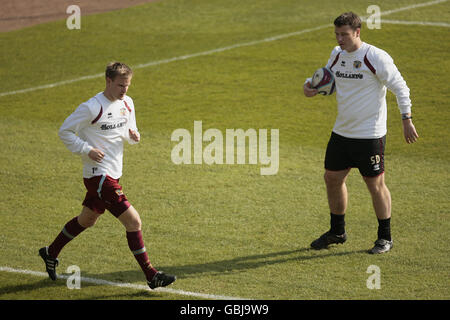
(223, 229)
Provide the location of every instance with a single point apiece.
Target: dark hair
(348, 19)
(114, 69)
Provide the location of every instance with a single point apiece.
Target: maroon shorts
(104, 192)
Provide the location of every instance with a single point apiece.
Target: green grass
(223, 229)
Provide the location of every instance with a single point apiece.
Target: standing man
(96, 131)
(362, 73)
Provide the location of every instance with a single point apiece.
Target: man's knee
(135, 224)
(328, 178)
(376, 184)
(87, 217)
(335, 178)
(130, 219)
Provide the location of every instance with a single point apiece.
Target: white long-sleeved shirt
(362, 78)
(102, 124)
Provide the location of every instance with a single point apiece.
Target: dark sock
(136, 245)
(69, 231)
(384, 229)
(337, 223)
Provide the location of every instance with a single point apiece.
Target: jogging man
(96, 131)
(362, 74)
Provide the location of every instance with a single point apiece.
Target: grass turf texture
(223, 229)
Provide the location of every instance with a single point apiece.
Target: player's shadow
(252, 262)
(213, 268)
(231, 265)
(28, 288)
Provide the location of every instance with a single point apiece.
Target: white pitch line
(417, 23)
(209, 52)
(164, 61)
(125, 285)
(413, 6)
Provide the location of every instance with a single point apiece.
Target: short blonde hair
(114, 69)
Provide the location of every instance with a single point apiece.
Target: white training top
(102, 124)
(361, 79)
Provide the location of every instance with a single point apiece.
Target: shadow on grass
(49, 285)
(230, 265)
(185, 271)
(13, 289)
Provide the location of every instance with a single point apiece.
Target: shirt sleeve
(391, 77)
(79, 119)
(131, 125)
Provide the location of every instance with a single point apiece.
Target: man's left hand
(134, 135)
(409, 131)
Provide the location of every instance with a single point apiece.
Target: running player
(362, 73)
(96, 131)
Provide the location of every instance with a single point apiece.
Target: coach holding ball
(362, 74)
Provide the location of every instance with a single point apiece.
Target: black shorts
(365, 154)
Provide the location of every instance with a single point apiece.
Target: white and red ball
(323, 81)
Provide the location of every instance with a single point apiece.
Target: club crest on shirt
(356, 64)
(123, 111)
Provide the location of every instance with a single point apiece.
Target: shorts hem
(120, 208)
(338, 169)
(378, 174)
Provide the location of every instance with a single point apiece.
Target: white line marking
(414, 6)
(51, 85)
(164, 61)
(418, 23)
(125, 285)
(209, 52)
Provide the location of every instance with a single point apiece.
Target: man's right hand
(96, 155)
(308, 91)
